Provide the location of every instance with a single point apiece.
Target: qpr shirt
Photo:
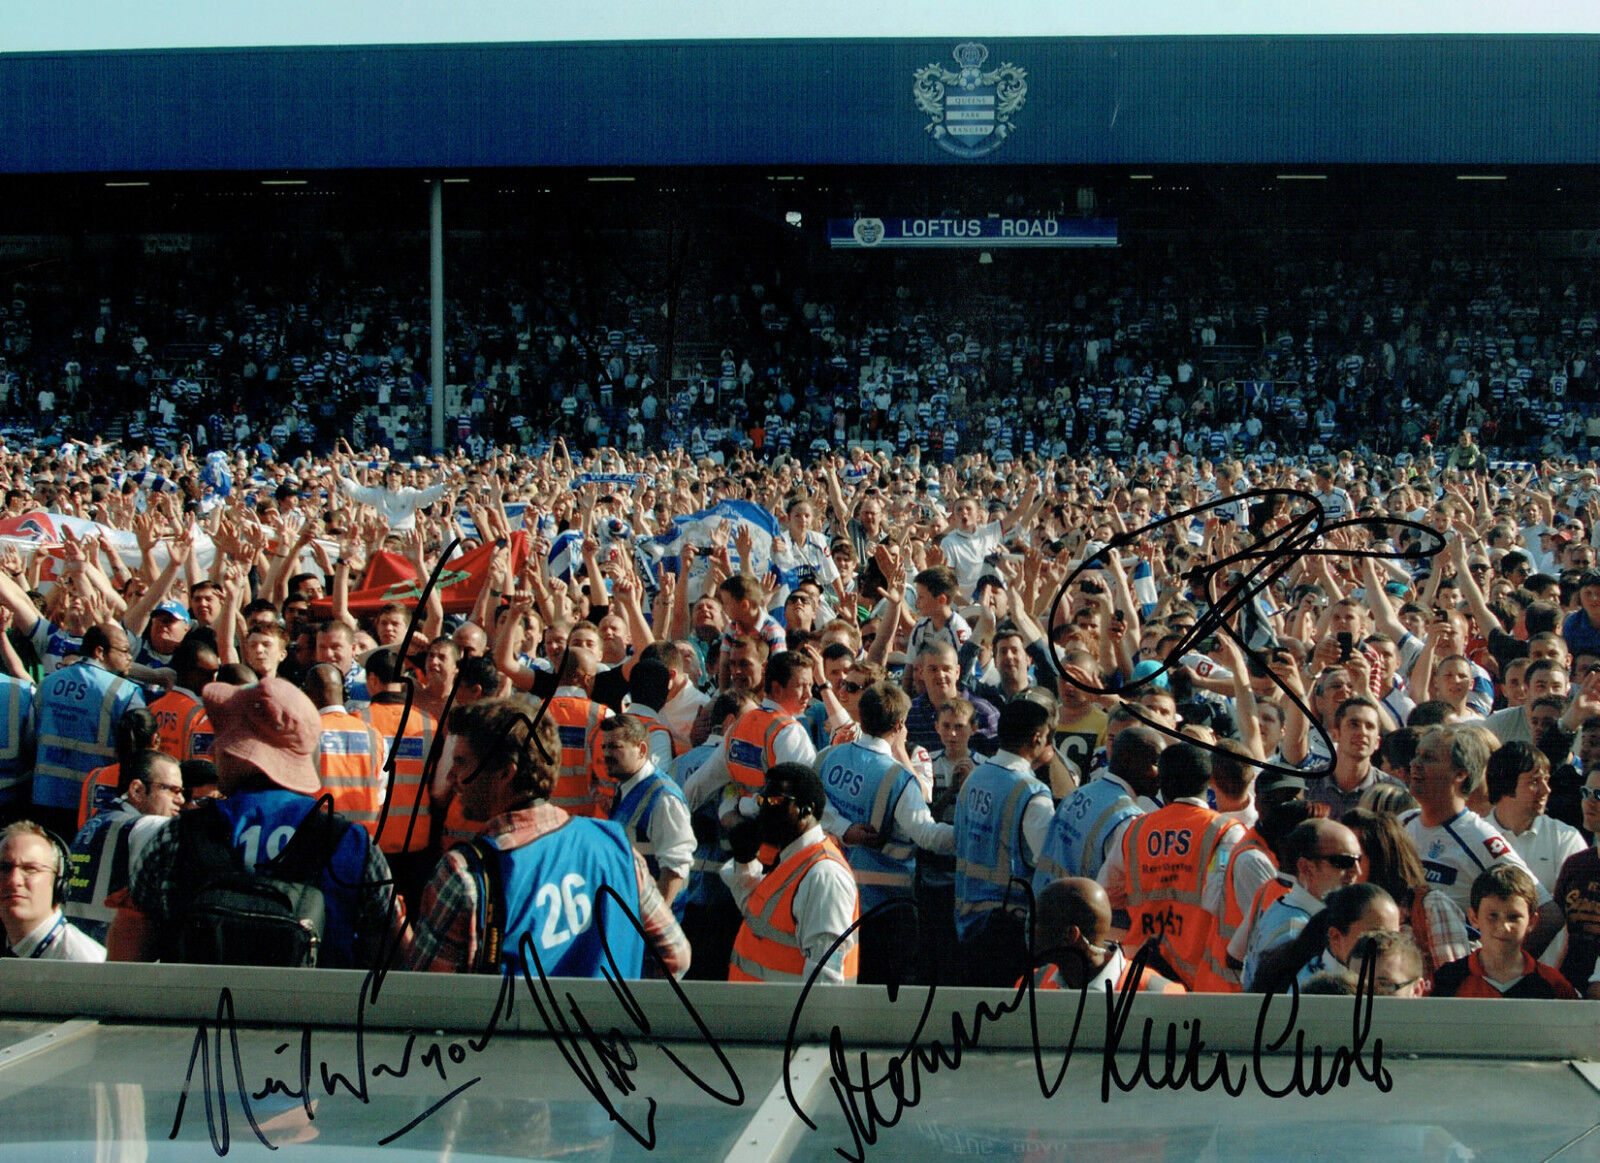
(1454, 853)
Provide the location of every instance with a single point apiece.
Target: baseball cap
(172, 610)
(271, 726)
(1145, 669)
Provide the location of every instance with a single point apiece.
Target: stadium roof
(1268, 100)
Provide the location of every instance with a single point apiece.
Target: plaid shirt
(445, 934)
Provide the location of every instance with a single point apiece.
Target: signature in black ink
(617, 1059)
(1269, 558)
(870, 1100)
(216, 1052)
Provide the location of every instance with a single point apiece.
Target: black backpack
(230, 914)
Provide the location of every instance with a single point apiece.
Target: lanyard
(49, 938)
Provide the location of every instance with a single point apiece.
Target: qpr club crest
(970, 110)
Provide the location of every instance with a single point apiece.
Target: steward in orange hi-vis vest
(350, 761)
(1168, 854)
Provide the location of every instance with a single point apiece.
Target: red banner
(389, 577)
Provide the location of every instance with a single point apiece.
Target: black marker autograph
(870, 1100)
(1270, 558)
(608, 1075)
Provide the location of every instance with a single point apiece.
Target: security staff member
(1088, 825)
(796, 917)
(577, 718)
(177, 710)
(405, 832)
(1002, 818)
(79, 708)
(648, 805)
(350, 751)
(16, 744)
(1170, 871)
(867, 785)
(151, 789)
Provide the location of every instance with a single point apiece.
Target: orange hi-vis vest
(202, 737)
(176, 712)
(99, 779)
(578, 723)
(408, 759)
(1233, 914)
(768, 945)
(1048, 977)
(749, 746)
(1167, 853)
(350, 762)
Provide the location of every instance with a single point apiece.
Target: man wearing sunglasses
(795, 914)
(1324, 855)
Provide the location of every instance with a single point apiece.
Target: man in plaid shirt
(552, 865)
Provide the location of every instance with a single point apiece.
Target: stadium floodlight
(1141, 177)
(1480, 177)
(611, 178)
(124, 185)
(284, 182)
(1302, 177)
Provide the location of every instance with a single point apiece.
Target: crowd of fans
(1025, 646)
(1205, 346)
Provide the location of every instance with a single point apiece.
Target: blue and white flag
(1144, 589)
(217, 474)
(696, 529)
(566, 554)
(636, 479)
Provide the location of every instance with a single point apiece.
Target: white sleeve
(1036, 820)
(913, 821)
(793, 745)
(671, 836)
(708, 779)
(824, 907)
(741, 879)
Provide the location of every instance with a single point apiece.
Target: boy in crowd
(1504, 899)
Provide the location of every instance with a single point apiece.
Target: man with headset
(33, 878)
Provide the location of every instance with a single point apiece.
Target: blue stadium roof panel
(1451, 100)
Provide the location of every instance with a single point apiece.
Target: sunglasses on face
(772, 799)
(1343, 861)
(1590, 793)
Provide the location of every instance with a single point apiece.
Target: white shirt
(792, 745)
(47, 942)
(671, 837)
(1544, 847)
(1455, 852)
(912, 819)
(824, 905)
(964, 552)
(680, 711)
(398, 507)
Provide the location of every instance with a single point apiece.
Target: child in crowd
(1504, 899)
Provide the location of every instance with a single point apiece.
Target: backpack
(483, 864)
(230, 914)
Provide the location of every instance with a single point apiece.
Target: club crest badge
(970, 110)
(868, 231)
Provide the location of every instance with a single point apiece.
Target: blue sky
(52, 25)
